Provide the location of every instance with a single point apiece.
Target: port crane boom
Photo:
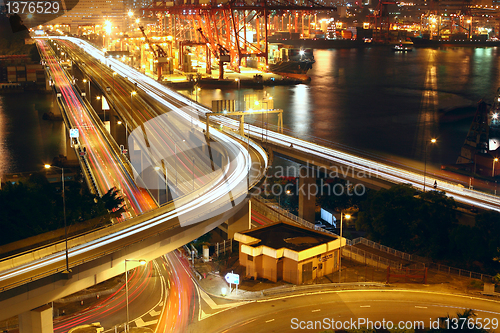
(159, 53)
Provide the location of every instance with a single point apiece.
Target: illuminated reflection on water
(26, 140)
(378, 100)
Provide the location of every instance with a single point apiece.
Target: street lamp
(347, 216)
(133, 93)
(119, 122)
(114, 73)
(175, 158)
(193, 172)
(267, 121)
(425, 163)
(239, 106)
(48, 166)
(493, 170)
(142, 262)
(85, 81)
(99, 98)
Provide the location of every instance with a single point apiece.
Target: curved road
(294, 313)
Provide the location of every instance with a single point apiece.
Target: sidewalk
(210, 277)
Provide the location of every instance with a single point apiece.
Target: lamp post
(133, 93)
(157, 168)
(85, 81)
(238, 80)
(193, 172)
(197, 89)
(104, 117)
(48, 166)
(175, 159)
(493, 170)
(119, 122)
(249, 160)
(425, 158)
(114, 73)
(267, 122)
(347, 216)
(142, 262)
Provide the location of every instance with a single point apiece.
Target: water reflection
(26, 140)
(377, 100)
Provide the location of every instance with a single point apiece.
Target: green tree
(437, 217)
(36, 206)
(391, 217)
(462, 322)
(398, 218)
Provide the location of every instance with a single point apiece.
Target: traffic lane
(179, 308)
(145, 292)
(278, 315)
(105, 167)
(140, 115)
(174, 102)
(377, 169)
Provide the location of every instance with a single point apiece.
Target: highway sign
(73, 133)
(232, 278)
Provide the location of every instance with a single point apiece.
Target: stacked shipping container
(26, 73)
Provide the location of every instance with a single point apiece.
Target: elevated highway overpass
(34, 278)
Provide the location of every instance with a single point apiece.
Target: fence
(460, 272)
(362, 256)
(383, 248)
(359, 255)
(278, 211)
(420, 261)
(223, 247)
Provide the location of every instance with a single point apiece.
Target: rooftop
(285, 235)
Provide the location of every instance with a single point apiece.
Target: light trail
(377, 169)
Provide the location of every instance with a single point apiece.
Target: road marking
(141, 323)
(214, 306)
(268, 321)
(420, 307)
(316, 310)
(154, 313)
(365, 306)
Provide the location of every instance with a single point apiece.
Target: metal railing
(225, 246)
(458, 271)
(287, 214)
(420, 261)
(349, 250)
(383, 248)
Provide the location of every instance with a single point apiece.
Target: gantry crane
(239, 26)
(220, 52)
(160, 56)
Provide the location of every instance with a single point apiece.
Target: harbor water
(27, 141)
(370, 99)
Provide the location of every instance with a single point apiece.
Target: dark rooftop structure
(290, 236)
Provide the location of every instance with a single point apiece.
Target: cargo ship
(289, 61)
(402, 46)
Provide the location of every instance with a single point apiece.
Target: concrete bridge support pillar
(38, 320)
(241, 221)
(307, 197)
